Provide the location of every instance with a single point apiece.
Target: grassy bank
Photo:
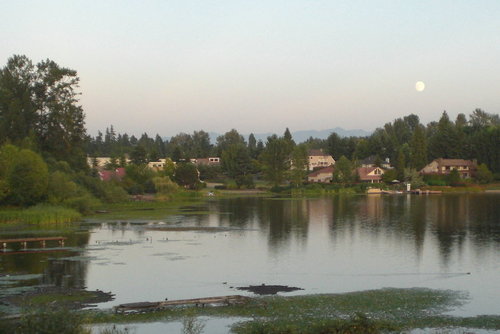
(39, 214)
(357, 312)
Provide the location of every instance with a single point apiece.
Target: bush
(483, 174)
(165, 186)
(51, 322)
(85, 203)
(113, 193)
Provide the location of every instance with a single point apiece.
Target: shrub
(84, 203)
(483, 174)
(165, 186)
(51, 322)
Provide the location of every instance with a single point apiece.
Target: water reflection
(51, 262)
(331, 244)
(451, 219)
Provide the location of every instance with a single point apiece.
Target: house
(370, 174)
(157, 165)
(371, 161)
(323, 175)
(441, 166)
(210, 161)
(109, 175)
(98, 162)
(102, 162)
(318, 159)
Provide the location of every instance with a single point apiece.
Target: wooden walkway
(154, 306)
(24, 241)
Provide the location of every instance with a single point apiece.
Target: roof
(364, 171)
(316, 152)
(325, 170)
(455, 162)
(108, 175)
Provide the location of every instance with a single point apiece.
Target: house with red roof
(370, 174)
(323, 175)
(110, 175)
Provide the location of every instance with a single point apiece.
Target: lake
(321, 245)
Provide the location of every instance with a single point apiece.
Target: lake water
(322, 245)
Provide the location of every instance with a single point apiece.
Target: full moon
(419, 86)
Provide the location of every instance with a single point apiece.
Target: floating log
(154, 306)
(24, 241)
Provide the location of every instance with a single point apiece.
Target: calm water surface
(323, 245)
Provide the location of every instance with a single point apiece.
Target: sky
(260, 66)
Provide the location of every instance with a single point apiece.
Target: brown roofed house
(324, 175)
(370, 174)
(441, 166)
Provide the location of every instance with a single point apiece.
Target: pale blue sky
(260, 66)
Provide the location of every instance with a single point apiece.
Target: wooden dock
(24, 241)
(155, 306)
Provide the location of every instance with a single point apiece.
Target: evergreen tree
(300, 162)
(418, 148)
(138, 155)
(444, 143)
(252, 146)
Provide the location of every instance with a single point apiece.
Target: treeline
(182, 146)
(405, 141)
(44, 147)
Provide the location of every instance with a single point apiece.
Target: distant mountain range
(299, 136)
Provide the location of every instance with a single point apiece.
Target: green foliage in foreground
(47, 321)
(356, 324)
(39, 214)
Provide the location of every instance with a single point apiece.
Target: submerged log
(152, 306)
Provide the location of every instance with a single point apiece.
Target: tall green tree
(418, 148)
(42, 102)
(229, 138)
(276, 159)
(186, 175)
(343, 171)
(444, 143)
(300, 162)
(236, 163)
(201, 144)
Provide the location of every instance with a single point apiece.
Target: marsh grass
(376, 310)
(148, 210)
(39, 214)
(60, 298)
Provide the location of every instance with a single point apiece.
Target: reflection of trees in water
(472, 217)
(452, 219)
(46, 262)
(237, 212)
(281, 220)
(65, 273)
(285, 220)
(449, 218)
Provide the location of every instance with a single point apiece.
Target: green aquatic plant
(39, 214)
